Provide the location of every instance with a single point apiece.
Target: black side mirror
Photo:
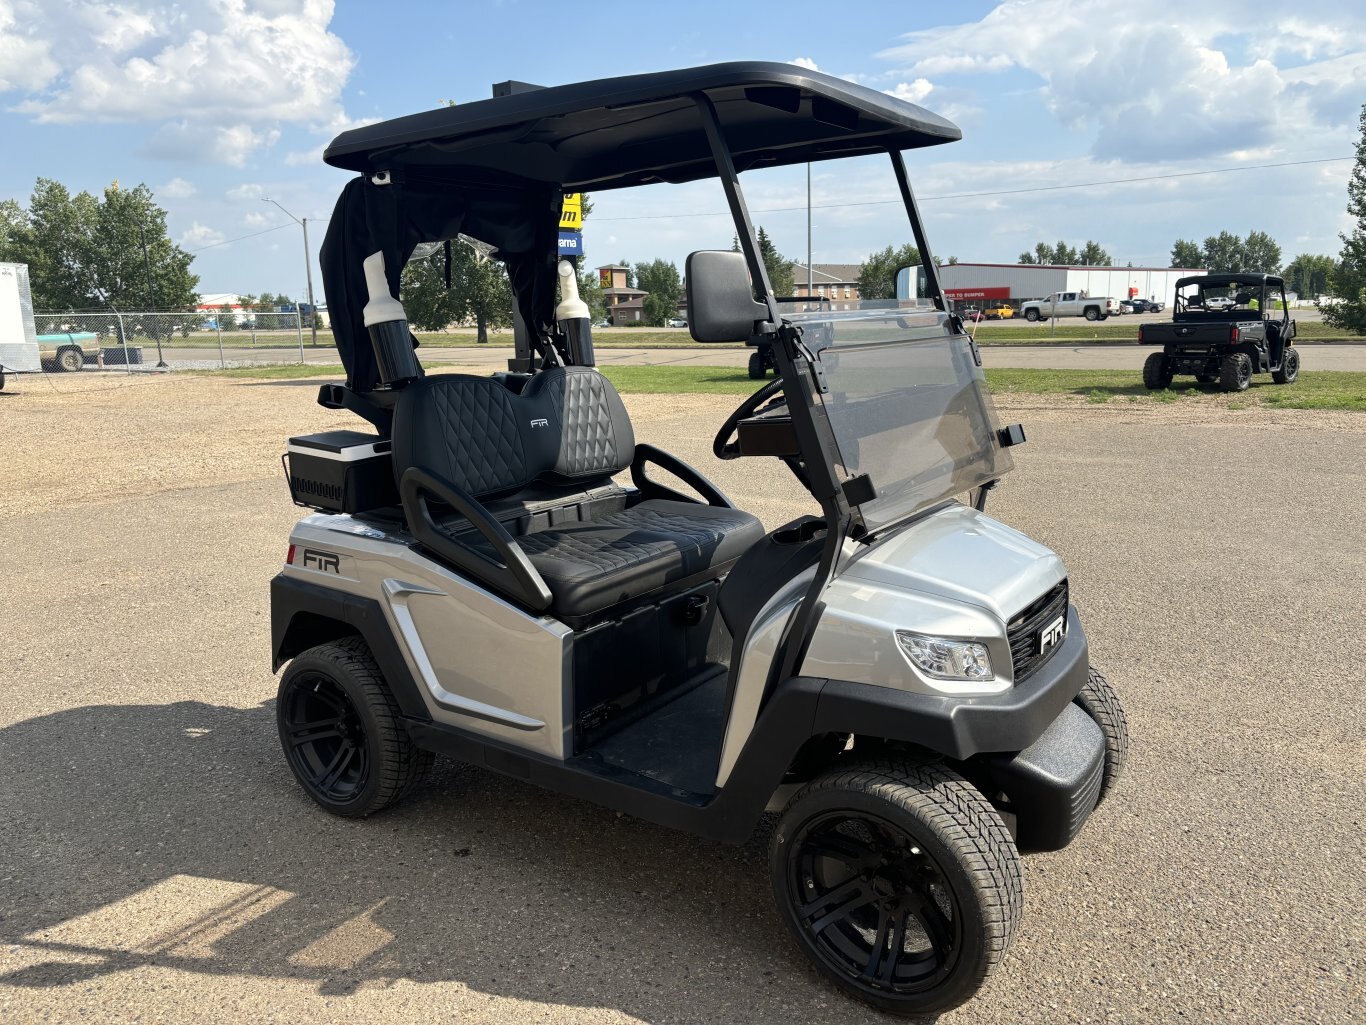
(721, 306)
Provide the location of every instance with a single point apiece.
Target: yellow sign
(571, 213)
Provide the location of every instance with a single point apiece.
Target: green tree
(1223, 253)
(1349, 281)
(1186, 254)
(1309, 275)
(779, 267)
(430, 305)
(877, 275)
(85, 251)
(1261, 253)
(482, 290)
(661, 280)
(1092, 255)
(590, 291)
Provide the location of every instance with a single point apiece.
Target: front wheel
(1235, 373)
(1099, 700)
(756, 366)
(1157, 373)
(1290, 367)
(899, 881)
(340, 730)
(1032, 316)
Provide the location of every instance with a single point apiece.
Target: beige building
(625, 305)
(837, 282)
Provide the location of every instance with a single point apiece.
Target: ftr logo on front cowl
(1052, 634)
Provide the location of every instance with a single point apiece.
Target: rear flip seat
(568, 430)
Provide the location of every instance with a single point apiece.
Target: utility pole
(308, 266)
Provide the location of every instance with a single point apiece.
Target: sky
(218, 105)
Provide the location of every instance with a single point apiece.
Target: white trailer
(18, 336)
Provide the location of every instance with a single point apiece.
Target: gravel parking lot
(157, 862)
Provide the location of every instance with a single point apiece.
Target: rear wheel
(1235, 373)
(1157, 373)
(1092, 313)
(340, 732)
(756, 366)
(70, 360)
(1290, 367)
(1101, 703)
(1031, 315)
(900, 882)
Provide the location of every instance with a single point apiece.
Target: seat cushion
(623, 555)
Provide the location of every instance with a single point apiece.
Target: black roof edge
(1229, 279)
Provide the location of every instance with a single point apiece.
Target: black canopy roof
(618, 132)
(1215, 280)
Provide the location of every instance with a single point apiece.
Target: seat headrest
(568, 425)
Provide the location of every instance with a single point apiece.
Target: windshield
(907, 403)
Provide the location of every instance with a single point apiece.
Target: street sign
(571, 243)
(571, 213)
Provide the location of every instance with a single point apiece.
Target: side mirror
(721, 306)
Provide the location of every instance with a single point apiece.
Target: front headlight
(943, 658)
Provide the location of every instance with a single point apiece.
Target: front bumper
(960, 727)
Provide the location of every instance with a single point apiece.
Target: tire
(757, 371)
(1099, 700)
(1235, 372)
(1092, 313)
(1157, 373)
(1290, 367)
(1032, 316)
(339, 728)
(891, 850)
(70, 360)
(2, 380)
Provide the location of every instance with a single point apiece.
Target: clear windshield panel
(907, 403)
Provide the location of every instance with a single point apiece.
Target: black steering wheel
(727, 445)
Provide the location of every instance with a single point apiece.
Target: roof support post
(922, 244)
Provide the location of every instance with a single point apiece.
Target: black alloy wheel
(1290, 367)
(324, 738)
(1157, 372)
(899, 881)
(1235, 373)
(342, 731)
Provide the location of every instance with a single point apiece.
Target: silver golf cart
(903, 678)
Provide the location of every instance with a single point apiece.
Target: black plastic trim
(302, 615)
(515, 577)
(669, 462)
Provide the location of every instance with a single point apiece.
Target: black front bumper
(1031, 743)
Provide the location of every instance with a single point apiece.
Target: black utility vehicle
(1225, 328)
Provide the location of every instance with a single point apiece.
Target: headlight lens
(944, 658)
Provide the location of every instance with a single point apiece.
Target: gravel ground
(157, 863)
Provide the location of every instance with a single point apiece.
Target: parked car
(1219, 303)
(678, 322)
(1000, 311)
(975, 316)
(604, 322)
(1140, 305)
(1069, 304)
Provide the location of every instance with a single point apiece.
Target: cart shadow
(172, 836)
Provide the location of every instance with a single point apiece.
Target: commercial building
(625, 305)
(837, 282)
(975, 284)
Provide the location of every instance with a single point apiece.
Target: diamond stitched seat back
(568, 425)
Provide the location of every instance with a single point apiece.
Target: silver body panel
(492, 669)
(18, 336)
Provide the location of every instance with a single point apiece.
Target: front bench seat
(568, 428)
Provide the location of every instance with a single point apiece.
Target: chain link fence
(136, 340)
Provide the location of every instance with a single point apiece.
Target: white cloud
(912, 92)
(804, 62)
(26, 61)
(1149, 81)
(200, 235)
(221, 78)
(305, 157)
(255, 220)
(176, 188)
(247, 190)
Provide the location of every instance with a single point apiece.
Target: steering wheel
(727, 445)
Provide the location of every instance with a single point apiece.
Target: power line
(254, 234)
(975, 195)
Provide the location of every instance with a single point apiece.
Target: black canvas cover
(519, 218)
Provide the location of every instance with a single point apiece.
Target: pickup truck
(1224, 328)
(1069, 304)
(68, 350)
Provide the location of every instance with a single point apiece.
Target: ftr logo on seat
(540, 422)
(1052, 634)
